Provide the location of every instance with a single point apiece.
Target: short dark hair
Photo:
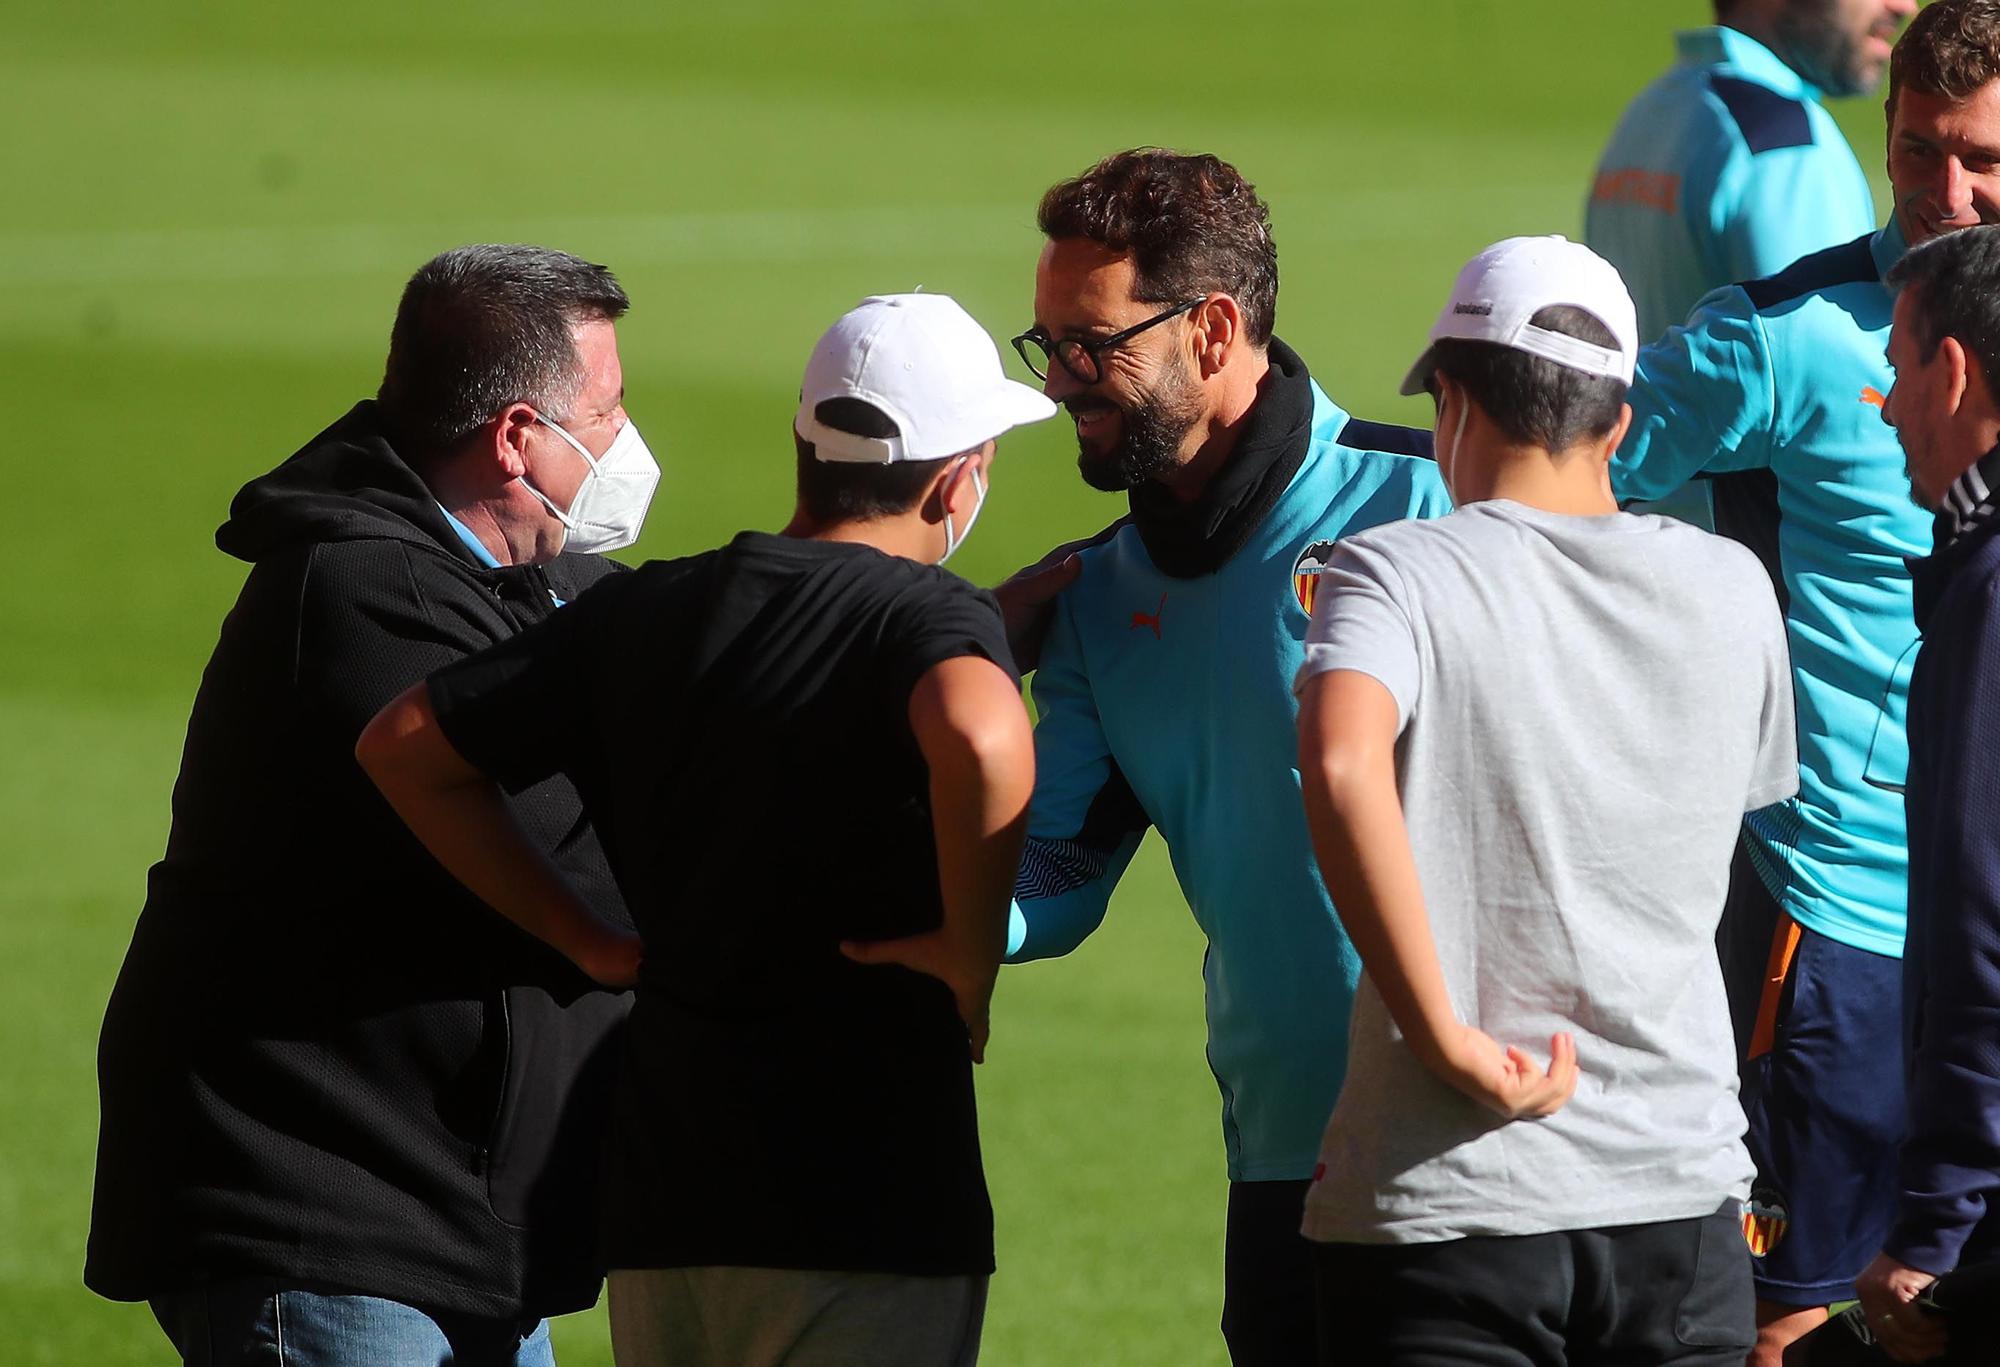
(485, 326)
(1951, 48)
(857, 491)
(1954, 280)
(1192, 223)
(1535, 400)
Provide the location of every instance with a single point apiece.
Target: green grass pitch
(210, 210)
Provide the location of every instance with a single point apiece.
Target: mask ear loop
(1457, 437)
(952, 541)
(562, 515)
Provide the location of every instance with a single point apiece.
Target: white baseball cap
(1506, 285)
(928, 366)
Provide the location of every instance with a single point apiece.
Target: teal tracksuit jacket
(1167, 702)
(1774, 388)
(1725, 168)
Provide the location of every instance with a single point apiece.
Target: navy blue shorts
(1823, 1090)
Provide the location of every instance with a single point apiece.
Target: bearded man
(1165, 680)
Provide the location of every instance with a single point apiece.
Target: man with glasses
(1164, 685)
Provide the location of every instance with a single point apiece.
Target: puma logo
(1150, 619)
(1871, 395)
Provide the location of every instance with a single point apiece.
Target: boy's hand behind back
(1505, 1079)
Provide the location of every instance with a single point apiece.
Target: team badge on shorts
(1764, 1221)
(1306, 571)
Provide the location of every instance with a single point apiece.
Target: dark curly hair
(1191, 222)
(1950, 49)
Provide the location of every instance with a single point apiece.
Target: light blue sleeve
(1085, 824)
(1777, 206)
(1428, 495)
(1702, 401)
(1383, 487)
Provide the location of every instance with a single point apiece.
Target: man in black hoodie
(348, 1114)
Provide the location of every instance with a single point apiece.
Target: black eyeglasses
(1079, 357)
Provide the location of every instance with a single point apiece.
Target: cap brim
(1009, 405)
(1000, 409)
(1418, 381)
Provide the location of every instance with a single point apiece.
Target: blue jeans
(260, 1322)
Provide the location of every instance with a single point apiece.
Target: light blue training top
(1775, 388)
(1168, 702)
(1726, 168)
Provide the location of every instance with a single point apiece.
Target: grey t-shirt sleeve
(1361, 621)
(1775, 774)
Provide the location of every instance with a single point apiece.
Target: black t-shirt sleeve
(939, 619)
(521, 710)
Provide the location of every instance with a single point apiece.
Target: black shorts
(1675, 1293)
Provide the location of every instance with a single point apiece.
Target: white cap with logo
(928, 366)
(1501, 290)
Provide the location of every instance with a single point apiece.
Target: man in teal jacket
(1728, 167)
(1164, 686)
(1774, 390)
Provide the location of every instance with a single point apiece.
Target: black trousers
(1672, 1294)
(1267, 1276)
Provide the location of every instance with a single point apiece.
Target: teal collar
(1719, 46)
(1887, 246)
(472, 543)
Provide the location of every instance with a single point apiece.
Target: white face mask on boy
(1448, 466)
(610, 505)
(953, 538)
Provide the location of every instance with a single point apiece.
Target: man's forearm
(462, 817)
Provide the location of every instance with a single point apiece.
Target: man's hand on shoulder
(1028, 596)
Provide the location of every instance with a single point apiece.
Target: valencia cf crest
(1764, 1221)
(1306, 571)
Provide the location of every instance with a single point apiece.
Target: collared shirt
(1774, 389)
(485, 557)
(472, 543)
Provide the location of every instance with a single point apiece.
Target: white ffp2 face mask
(610, 505)
(953, 538)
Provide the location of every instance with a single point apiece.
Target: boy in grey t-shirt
(1529, 731)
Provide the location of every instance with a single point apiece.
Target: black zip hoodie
(324, 1061)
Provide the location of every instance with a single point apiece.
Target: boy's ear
(1616, 436)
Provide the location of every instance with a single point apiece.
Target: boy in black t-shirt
(808, 761)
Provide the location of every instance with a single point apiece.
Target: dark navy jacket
(1951, 964)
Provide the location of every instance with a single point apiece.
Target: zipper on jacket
(482, 1156)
